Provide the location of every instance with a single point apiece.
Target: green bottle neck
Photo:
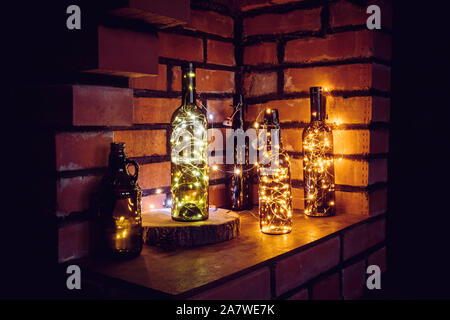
(188, 86)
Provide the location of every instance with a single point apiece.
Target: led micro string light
(318, 163)
(189, 157)
(275, 199)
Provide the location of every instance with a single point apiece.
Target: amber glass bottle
(189, 155)
(121, 206)
(275, 198)
(318, 164)
(239, 186)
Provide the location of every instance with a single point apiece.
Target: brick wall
(82, 120)
(272, 51)
(337, 273)
(289, 47)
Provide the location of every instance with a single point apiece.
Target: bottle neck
(117, 161)
(188, 87)
(317, 107)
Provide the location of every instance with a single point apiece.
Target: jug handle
(136, 169)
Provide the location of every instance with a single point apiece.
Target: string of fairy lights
(318, 170)
(190, 179)
(275, 197)
(189, 161)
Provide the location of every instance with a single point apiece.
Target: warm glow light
(237, 171)
(215, 167)
(256, 125)
(268, 110)
(158, 191)
(210, 116)
(275, 199)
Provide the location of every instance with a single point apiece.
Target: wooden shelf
(160, 273)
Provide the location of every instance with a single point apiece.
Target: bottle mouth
(188, 68)
(271, 116)
(315, 90)
(117, 146)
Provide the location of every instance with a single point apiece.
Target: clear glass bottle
(120, 204)
(189, 155)
(318, 163)
(275, 198)
(239, 187)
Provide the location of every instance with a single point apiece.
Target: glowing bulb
(237, 171)
(215, 167)
(268, 110)
(210, 116)
(331, 203)
(158, 191)
(256, 125)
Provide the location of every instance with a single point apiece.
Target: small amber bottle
(120, 215)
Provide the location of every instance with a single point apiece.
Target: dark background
(418, 228)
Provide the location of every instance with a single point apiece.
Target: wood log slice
(161, 230)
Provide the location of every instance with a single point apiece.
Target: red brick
(360, 141)
(381, 109)
(81, 150)
(262, 53)
(344, 77)
(296, 169)
(273, 23)
(211, 22)
(353, 281)
(218, 195)
(215, 81)
(381, 77)
(220, 52)
(258, 84)
(378, 258)
(180, 47)
(292, 139)
(367, 203)
(154, 175)
(154, 110)
(298, 198)
(360, 173)
(344, 13)
(75, 194)
(252, 286)
(216, 138)
(167, 13)
(176, 78)
(328, 288)
(246, 5)
(220, 109)
(360, 238)
(73, 241)
(378, 202)
(83, 105)
(140, 143)
(339, 46)
(301, 267)
(379, 141)
(155, 201)
(116, 51)
(301, 295)
(157, 82)
(355, 110)
(291, 110)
